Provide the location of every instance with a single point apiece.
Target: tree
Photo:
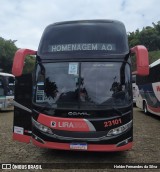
(29, 64)
(149, 37)
(133, 38)
(7, 51)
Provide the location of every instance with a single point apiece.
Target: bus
(148, 95)
(7, 82)
(79, 96)
(134, 88)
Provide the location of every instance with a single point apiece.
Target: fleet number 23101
(112, 122)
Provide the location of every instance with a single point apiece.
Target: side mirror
(141, 60)
(18, 62)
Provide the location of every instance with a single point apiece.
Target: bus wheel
(145, 108)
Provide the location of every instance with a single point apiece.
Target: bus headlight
(41, 127)
(120, 129)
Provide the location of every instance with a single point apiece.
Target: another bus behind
(148, 95)
(7, 82)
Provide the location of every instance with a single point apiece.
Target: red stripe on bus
(90, 147)
(154, 109)
(67, 124)
(21, 138)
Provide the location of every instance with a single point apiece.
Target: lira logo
(53, 124)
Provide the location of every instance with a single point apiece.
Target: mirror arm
(19, 59)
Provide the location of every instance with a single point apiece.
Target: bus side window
(10, 82)
(1, 88)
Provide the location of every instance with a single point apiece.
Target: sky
(25, 20)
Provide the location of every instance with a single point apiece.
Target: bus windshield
(83, 85)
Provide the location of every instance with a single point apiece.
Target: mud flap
(22, 128)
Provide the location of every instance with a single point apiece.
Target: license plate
(78, 146)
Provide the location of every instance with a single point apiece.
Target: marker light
(120, 129)
(41, 127)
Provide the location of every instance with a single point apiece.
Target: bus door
(22, 111)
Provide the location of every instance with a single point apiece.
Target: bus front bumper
(90, 147)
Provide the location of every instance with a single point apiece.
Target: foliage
(7, 51)
(29, 64)
(153, 56)
(149, 37)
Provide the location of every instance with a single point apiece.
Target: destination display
(82, 47)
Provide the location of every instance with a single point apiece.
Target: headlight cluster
(120, 129)
(41, 127)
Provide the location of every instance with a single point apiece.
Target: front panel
(22, 110)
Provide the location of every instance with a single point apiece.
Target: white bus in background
(134, 87)
(148, 92)
(7, 83)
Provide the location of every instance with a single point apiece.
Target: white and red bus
(148, 92)
(134, 88)
(7, 82)
(79, 96)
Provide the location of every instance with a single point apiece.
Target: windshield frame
(78, 105)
